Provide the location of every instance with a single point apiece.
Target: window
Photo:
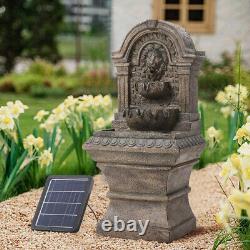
(197, 16)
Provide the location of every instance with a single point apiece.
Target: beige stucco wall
(232, 24)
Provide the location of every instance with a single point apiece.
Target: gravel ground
(16, 215)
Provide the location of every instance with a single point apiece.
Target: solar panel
(62, 203)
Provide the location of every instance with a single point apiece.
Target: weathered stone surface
(148, 155)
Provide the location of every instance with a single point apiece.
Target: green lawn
(93, 47)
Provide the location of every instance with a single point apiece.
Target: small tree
(11, 28)
(29, 28)
(44, 20)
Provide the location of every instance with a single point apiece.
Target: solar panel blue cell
(60, 208)
(64, 197)
(63, 203)
(68, 221)
(54, 220)
(68, 184)
(43, 221)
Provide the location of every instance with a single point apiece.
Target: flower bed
(26, 161)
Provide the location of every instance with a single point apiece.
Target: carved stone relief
(153, 84)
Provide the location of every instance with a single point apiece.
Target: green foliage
(20, 170)
(215, 76)
(43, 21)
(234, 120)
(234, 123)
(29, 28)
(31, 177)
(202, 118)
(225, 65)
(44, 79)
(81, 116)
(236, 224)
(222, 240)
(41, 67)
(69, 158)
(60, 71)
(38, 91)
(97, 27)
(238, 119)
(11, 32)
(20, 83)
(211, 82)
(85, 164)
(244, 76)
(237, 238)
(244, 233)
(210, 116)
(42, 91)
(23, 83)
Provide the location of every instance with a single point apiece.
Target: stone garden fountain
(147, 156)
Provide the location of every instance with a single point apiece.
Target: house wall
(232, 24)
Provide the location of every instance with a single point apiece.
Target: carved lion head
(154, 61)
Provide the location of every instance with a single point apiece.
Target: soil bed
(16, 215)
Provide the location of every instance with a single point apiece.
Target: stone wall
(232, 24)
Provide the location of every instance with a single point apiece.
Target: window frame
(205, 26)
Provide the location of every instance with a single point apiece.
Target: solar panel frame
(79, 216)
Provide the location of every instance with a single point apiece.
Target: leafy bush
(29, 28)
(224, 66)
(46, 69)
(11, 33)
(216, 76)
(23, 83)
(20, 82)
(44, 79)
(41, 67)
(42, 25)
(7, 86)
(60, 71)
(38, 91)
(210, 83)
(56, 92)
